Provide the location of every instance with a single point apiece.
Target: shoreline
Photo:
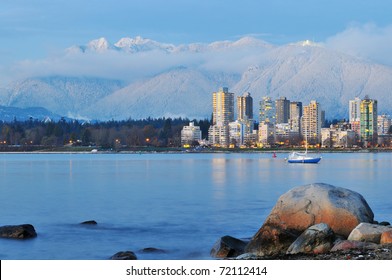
(381, 252)
(185, 151)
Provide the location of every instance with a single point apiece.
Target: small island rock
(90, 222)
(124, 255)
(152, 250)
(18, 232)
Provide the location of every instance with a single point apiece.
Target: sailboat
(297, 157)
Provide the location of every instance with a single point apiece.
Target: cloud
(234, 57)
(367, 41)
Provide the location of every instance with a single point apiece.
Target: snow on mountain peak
(307, 43)
(99, 45)
(128, 42)
(139, 43)
(249, 41)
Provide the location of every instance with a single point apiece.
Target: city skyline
(287, 122)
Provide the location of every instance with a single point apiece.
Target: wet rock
(152, 250)
(386, 237)
(228, 246)
(317, 239)
(18, 231)
(304, 206)
(91, 222)
(368, 232)
(126, 255)
(247, 256)
(345, 245)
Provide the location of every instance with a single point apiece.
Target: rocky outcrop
(300, 208)
(368, 232)
(228, 246)
(317, 239)
(18, 231)
(124, 255)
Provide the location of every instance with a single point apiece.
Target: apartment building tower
(368, 111)
(311, 123)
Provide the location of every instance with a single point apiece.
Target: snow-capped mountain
(139, 44)
(9, 114)
(177, 80)
(63, 95)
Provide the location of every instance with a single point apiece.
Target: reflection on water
(162, 200)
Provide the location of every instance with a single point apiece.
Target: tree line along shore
(147, 135)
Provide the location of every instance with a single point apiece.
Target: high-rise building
(219, 135)
(190, 134)
(222, 115)
(223, 107)
(354, 110)
(267, 112)
(266, 133)
(355, 115)
(236, 133)
(295, 116)
(245, 107)
(311, 122)
(384, 123)
(368, 111)
(244, 116)
(282, 106)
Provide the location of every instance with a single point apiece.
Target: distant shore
(150, 149)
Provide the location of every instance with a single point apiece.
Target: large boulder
(317, 239)
(368, 232)
(18, 232)
(227, 246)
(304, 206)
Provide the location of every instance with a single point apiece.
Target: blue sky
(35, 29)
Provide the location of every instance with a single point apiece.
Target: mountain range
(164, 80)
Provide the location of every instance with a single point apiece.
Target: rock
(368, 232)
(228, 246)
(345, 245)
(304, 206)
(384, 223)
(152, 250)
(126, 255)
(18, 232)
(317, 239)
(91, 222)
(386, 237)
(247, 256)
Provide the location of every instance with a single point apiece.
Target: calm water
(181, 203)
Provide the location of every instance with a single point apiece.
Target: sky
(33, 30)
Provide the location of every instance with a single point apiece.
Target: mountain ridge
(179, 80)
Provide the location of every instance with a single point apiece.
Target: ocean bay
(180, 203)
